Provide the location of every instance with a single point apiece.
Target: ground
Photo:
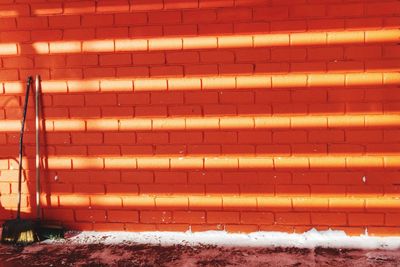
(211, 248)
(131, 254)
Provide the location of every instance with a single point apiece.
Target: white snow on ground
(310, 239)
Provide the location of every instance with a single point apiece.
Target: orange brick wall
(237, 115)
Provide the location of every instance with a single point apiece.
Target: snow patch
(310, 239)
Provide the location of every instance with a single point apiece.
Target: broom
(19, 231)
(45, 231)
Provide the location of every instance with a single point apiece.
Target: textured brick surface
(229, 114)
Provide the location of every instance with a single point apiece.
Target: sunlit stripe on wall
(260, 162)
(297, 80)
(214, 123)
(206, 42)
(291, 201)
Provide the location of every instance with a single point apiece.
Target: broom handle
(21, 141)
(37, 106)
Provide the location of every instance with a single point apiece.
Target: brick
(112, 32)
(119, 138)
(149, 58)
(74, 34)
(310, 178)
(165, 44)
(80, 7)
(153, 163)
(68, 100)
(171, 203)
(14, 36)
(90, 215)
(59, 214)
(104, 176)
(74, 201)
(117, 59)
(310, 204)
(99, 72)
(346, 204)
(217, 57)
(126, 216)
(89, 189)
(271, 13)
(329, 219)
(155, 217)
(257, 217)
(285, 81)
(234, 14)
(182, 57)
(298, 218)
(204, 177)
(106, 201)
(381, 36)
(300, 39)
(329, 136)
(186, 163)
(285, 54)
(184, 30)
(137, 227)
(127, 19)
(218, 83)
(49, 61)
(289, 137)
(87, 138)
(150, 84)
(235, 41)
(66, 21)
(32, 22)
(345, 10)
(327, 162)
(8, 24)
(97, 20)
(131, 45)
(392, 219)
(116, 85)
(255, 163)
(120, 163)
(201, 70)
(308, 11)
(221, 163)
(164, 17)
(381, 204)
(138, 202)
(166, 71)
(100, 100)
(239, 203)
(232, 69)
(365, 219)
(363, 79)
(199, 16)
(46, 9)
(325, 80)
(146, 31)
(362, 53)
(291, 163)
(223, 217)
(218, 3)
(98, 46)
(384, 8)
(199, 42)
(133, 72)
(189, 217)
(113, 6)
(252, 55)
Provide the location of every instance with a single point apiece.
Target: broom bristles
(19, 232)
